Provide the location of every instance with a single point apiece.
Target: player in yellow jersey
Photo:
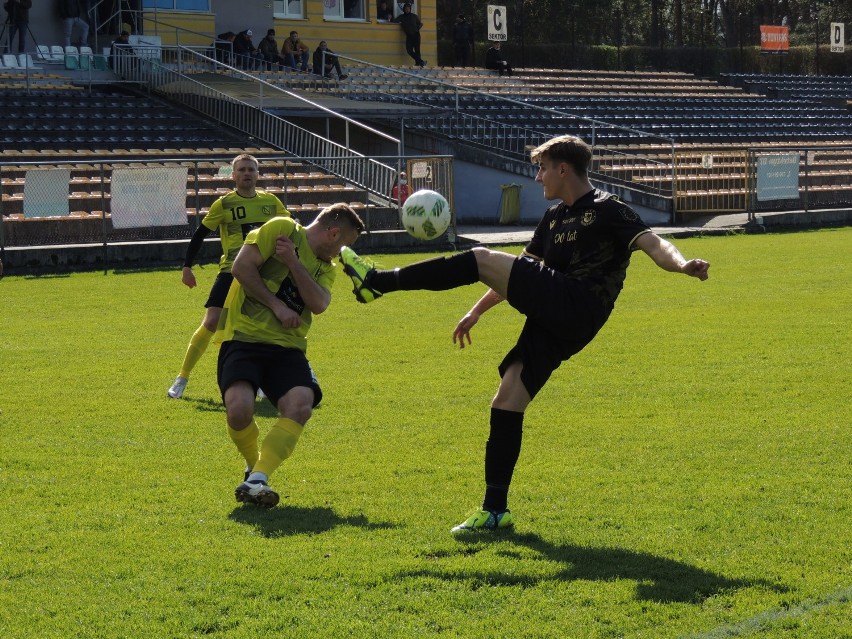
(234, 214)
(282, 277)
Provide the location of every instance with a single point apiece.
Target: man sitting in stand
(325, 61)
(494, 60)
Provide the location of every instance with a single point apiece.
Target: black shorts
(273, 368)
(563, 315)
(219, 292)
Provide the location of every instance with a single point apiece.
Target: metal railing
(512, 140)
(169, 75)
(50, 203)
(713, 181)
(824, 179)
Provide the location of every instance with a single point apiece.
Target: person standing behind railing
(72, 13)
(411, 25)
(19, 21)
(462, 40)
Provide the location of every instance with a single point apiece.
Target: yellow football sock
(197, 345)
(278, 445)
(246, 441)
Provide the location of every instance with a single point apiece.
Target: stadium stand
(834, 90)
(92, 130)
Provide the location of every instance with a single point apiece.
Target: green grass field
(688, 475)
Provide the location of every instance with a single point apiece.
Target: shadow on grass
(262, 408)
(658, 579)
(296, 520)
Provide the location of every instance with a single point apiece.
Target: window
(343, 9)
(179, 5)
(287, 8)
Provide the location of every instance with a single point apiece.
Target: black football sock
(501, 454)
(437, 274)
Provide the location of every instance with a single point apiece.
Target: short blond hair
(244, 157)
(565, 148)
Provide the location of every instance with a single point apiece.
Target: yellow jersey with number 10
(236, 216)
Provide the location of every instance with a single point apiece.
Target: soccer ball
(425, 214)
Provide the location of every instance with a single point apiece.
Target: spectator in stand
(73, 15)
(462, 40)
(18, 21)
(494, 60)
(331, 62)
(246, 53)
(223, 47)
(120, 47)
(411, 25)
(269, 52)
(400, 190)
(384, 14)
(296, 52)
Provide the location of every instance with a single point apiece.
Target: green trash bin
(510, 204)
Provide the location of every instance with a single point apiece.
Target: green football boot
(484, 520)
(358, 268)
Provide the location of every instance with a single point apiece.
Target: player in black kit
(565, 282)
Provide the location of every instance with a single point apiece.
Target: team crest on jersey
(588, 217)
(268, 210)
(629, 215)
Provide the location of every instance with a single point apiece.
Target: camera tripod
(7, 47)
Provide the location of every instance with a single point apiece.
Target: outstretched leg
(437, 274)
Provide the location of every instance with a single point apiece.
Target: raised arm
(246, 271)
(668, 258)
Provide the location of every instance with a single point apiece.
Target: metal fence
(823, 179)
(190, 78)
(804, 177)
(103, 201)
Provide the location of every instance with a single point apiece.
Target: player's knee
(482, 254)
(297, 405)
(238, 411)
(297, 411)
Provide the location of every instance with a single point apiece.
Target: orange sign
(774, 39)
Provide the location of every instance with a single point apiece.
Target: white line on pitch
(771, 616)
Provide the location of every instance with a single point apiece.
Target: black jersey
(591, 240)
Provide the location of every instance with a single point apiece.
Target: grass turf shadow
(296, 520)
(658, 579)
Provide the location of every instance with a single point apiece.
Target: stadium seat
(10, 61)
(72, 58)
(43, 54)
(86, 55)
(26, 61)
